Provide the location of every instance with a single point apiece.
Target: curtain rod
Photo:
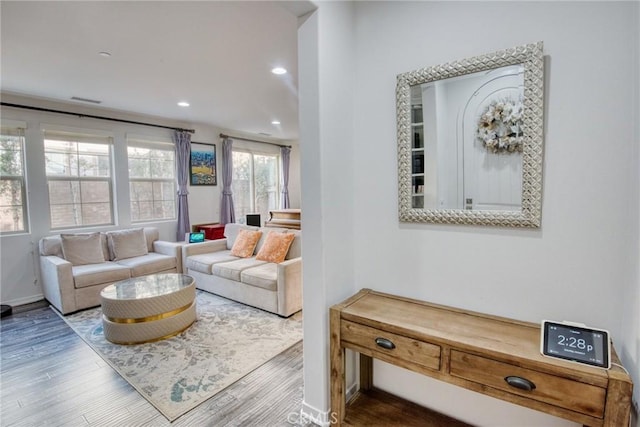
(222, 135)
(26, 107)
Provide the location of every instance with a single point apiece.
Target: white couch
(72, 285)
(276, 288)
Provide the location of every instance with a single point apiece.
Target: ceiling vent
(90, 101)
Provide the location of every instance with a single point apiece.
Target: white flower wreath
(500, 127)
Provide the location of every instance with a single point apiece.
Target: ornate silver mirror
(470, 140)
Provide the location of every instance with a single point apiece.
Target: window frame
(81, 137)
(152, 144)
(17, 129)
(252, 183)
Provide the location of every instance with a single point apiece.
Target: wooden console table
(467, 349)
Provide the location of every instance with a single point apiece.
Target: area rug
(228, 341)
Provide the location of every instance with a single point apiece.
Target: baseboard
(25, 300)
(309, 414)
(351, 391)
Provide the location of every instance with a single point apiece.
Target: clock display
(576, 343)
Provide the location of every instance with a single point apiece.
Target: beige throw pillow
(275, 247)
(81, 249)
(127, 243)
(245, 243)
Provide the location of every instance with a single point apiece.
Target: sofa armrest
(205, 247)
(170, 248)
(57, 283)
(289, 287)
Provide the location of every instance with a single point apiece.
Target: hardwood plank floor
(50, 377)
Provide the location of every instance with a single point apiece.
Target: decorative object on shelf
(202, 164)
(418, 163)
(500, 127)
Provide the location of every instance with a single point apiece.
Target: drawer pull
(521, 383)
(385, 343)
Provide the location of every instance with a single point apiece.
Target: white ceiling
(217, 55)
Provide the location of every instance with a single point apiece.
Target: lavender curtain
(285, 154)
(227, 214)
(182, 140)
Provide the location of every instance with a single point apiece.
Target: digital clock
(576, 342)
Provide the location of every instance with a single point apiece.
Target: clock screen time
(576, 344)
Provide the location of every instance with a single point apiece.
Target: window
(78, 169)
(13, 207)
(255, 184)
(152, 189)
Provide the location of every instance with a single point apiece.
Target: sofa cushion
(263, 276)
(97, 274)
(275, 247)
(125, 244)
(52, 245)
(231, 231)
(232, 269)
(151, 234)
(204, 262)
(81, 249)
(245, 243)
(149, 264)
(295, 250)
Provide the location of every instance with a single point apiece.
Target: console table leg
(366, 372)
(337, 370)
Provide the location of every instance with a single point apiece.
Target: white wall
(580, 265)
(19, 275)
(631, 297)
(326, 88)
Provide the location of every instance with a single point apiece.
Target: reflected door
(492, 181)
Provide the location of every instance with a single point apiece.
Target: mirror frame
(530, 56)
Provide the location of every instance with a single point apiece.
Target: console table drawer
(569, 394)
(387, 345)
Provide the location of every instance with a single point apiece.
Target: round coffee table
(148, 308)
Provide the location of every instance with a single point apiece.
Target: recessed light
(275, 122)
(279, 70)
(105, 54)
(183, 103)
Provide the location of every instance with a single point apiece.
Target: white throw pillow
(127, 243)
(81, 249)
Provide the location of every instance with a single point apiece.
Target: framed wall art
(202, 164)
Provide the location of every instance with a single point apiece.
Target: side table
(472, 350)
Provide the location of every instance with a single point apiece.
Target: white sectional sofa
(73, 278)
(274, 287)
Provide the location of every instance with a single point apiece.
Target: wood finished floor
(50, 377)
